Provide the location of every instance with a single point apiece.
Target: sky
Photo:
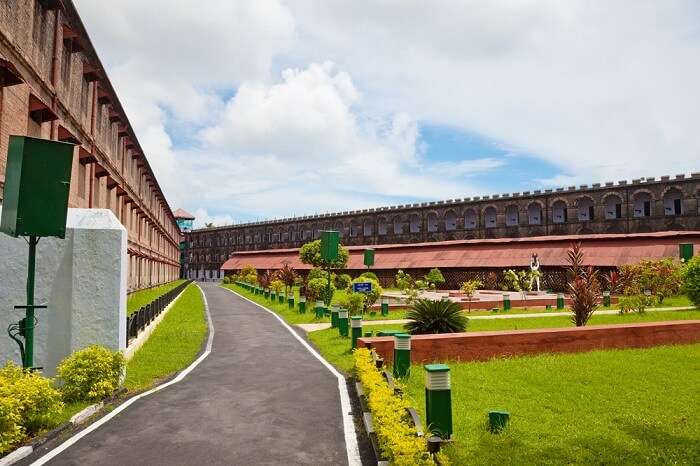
(261, 109)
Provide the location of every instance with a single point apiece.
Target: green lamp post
(402, 354)
(356, 325)
(438, 400)
(343, 322)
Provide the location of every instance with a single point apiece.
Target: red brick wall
(486, 345)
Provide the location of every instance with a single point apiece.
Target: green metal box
(329, 245)
(686, 251)
(37, 184)
(369, 257)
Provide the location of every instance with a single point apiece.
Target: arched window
(585, 209)
(367, 228)
(613, 207)
(559, 214)
(450, 221)
(398, 225)
(490, 217)
(355, 228)
(470, 219)
(432, 222)
(673, 202)
(512, 216)
(381, 227)
(414, 221)
(534, 214)
(642, 205)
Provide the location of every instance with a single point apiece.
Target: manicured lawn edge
(138, 299)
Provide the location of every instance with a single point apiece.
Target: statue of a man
(535, 269)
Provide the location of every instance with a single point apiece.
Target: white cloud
(202, 219)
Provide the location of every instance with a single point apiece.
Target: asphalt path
(260, 397)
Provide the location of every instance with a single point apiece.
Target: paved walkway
(260, 397)
(324, 325)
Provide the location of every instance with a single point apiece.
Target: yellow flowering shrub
(395, 432)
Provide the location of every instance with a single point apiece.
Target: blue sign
(362, 287)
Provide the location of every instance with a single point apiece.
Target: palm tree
(428, 316)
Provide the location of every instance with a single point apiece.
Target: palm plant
(266, 278)
(429, 316)
(288, 276)
(584, 287)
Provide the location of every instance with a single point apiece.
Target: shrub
(637, 302)
(663, 277)
(372, 296)
(431, 316)
(226, 280)
(584, 287)
(434, 278)
(396, 436)
(691, 280)
(317, 272)
(369, 276)
(342, 281)
(266, 278)
(28, 403)
(469, 288)
(277, 285)
(317, 289)
(353, 302)
(310, 253)
(288, 276)
(91, 374)
(403, 280)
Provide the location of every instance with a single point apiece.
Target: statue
(535, 271)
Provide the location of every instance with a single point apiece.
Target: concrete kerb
(103, 420)
(143, 337)
(349, 430)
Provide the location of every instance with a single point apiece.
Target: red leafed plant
(584, 287)
(266, 278)
(288, 276)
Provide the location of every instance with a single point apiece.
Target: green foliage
(662, 277)
(277, 285)
(370, 275)
(434, 278)
(372, 296)
(317, 289)
(317, 272)
(342, 281)
(691, 280)
(637, 302)
(469, 289)
(403, 281)
(91, 373)
(353, 302)
(28, 403)
(584, 287)
(310, 253)
(288, 276)
(431, 316)
(421, 285)
(396, 436)
(226, 280)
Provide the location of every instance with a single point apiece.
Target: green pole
(280, 298)
(343, 322)
(560, 300)
(356, 324)
(438, 400)
(606, 298)
(327, 300)
(319, 309)
(273, 296)
(506, 302)
(385, 306)
(334, 316)
(402, 354)
(302, 305)
(29, 321)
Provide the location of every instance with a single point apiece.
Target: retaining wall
(486, 345)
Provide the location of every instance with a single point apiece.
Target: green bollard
(273, 296)
(343, 322)
(606, 298)
(267, 294)
(280, 298)
(402, 354)
(334, 316)
(560, 301)
(356, 325)
(290, 302)
(318, 307)
(506, 302)
(302, 305)
(498, 420)
(438, 400)
(385, 306)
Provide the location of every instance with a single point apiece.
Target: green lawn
(632, 407)
(173, 345)
(140, 298)
(337, 349)
(292, 316)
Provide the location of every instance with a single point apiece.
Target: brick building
(53, 86)
(642, 206)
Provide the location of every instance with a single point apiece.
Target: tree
(691, 280)
(342, 281)
(521, 281)
(310, 253)
(372, 296)
(317, 289)
(434, 278)
(353, 302)
(469, 289)
(584, 287)
(288, 276)
(430, 316)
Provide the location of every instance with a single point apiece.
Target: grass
(138, 299)
(292, 316)
(602, 407)
(173, 345)
(337, 349)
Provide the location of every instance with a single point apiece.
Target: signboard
(329, 245)
(362, 287)
(369, 257)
